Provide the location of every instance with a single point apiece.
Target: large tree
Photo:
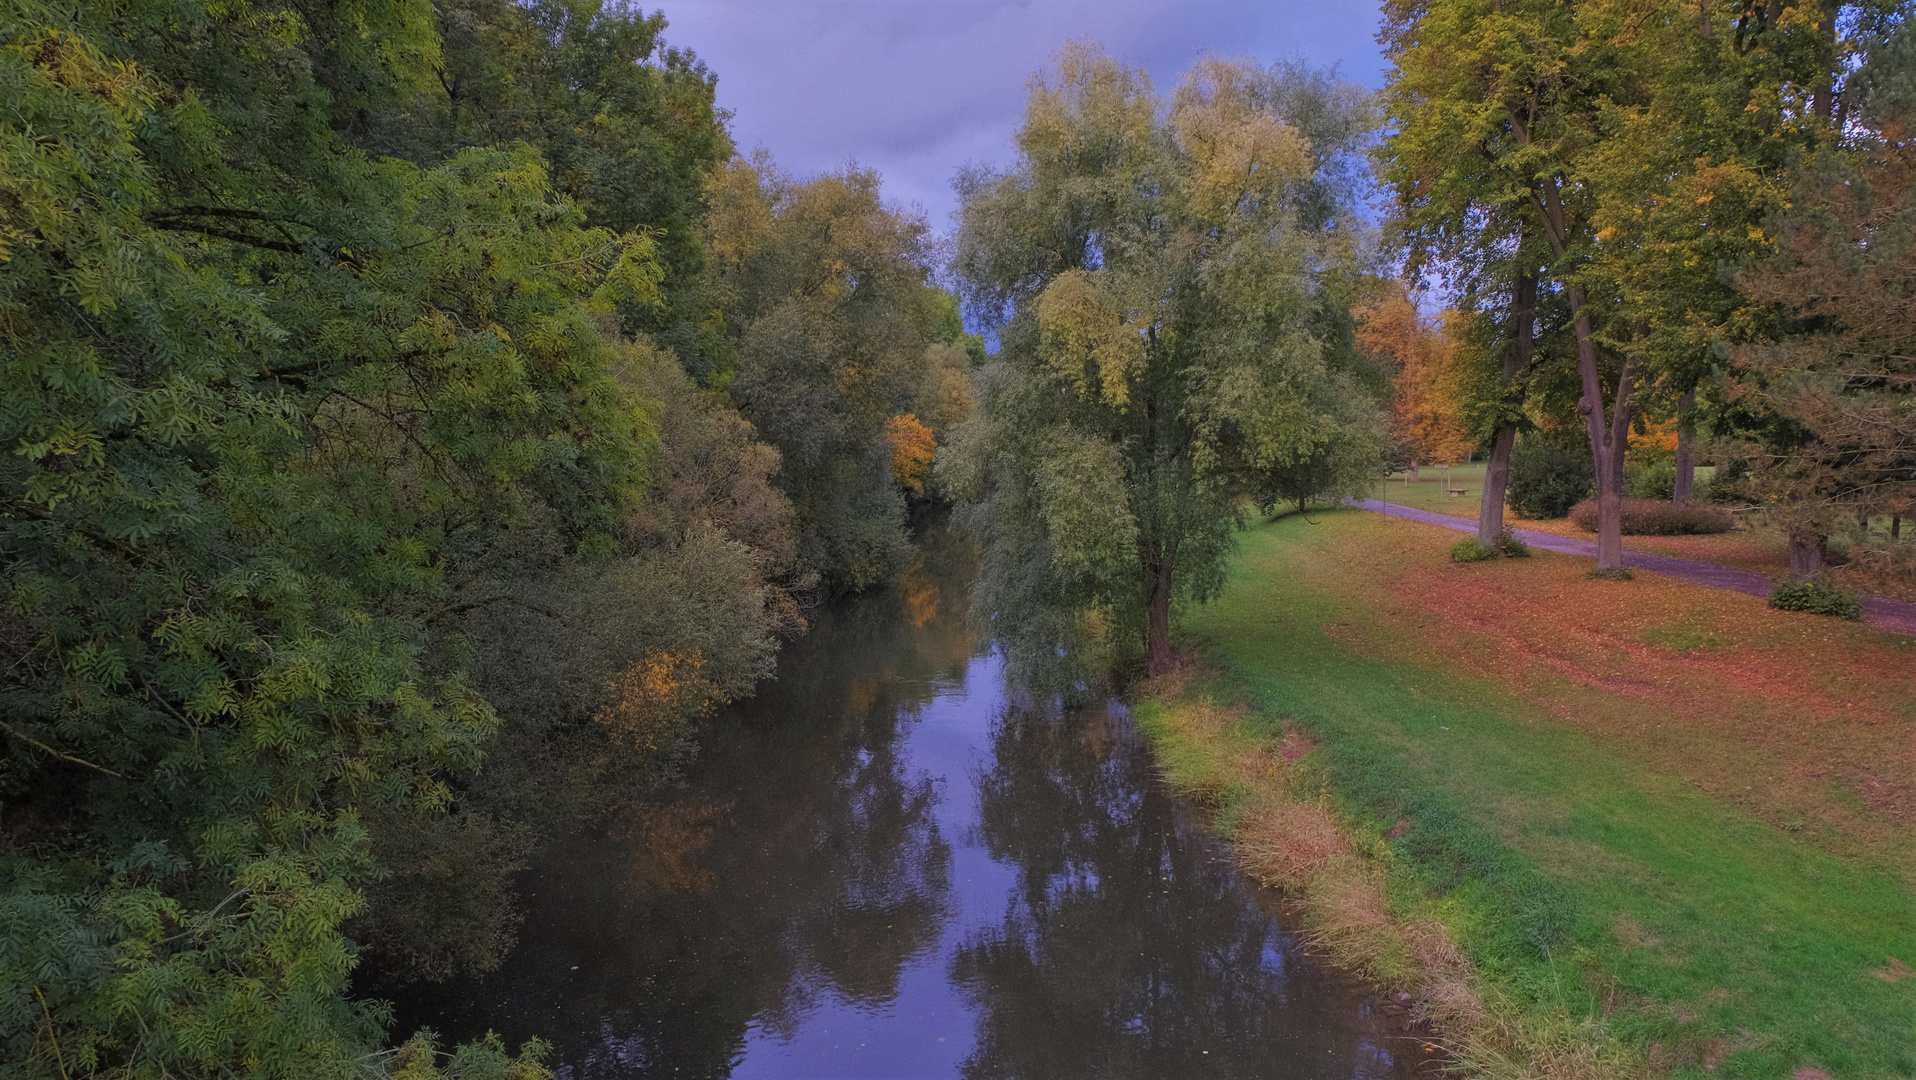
(1620, 156)
(1156, 274)
(1845, 273)
(627, 124)
(838, 330)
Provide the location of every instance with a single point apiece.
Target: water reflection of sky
(929, 1027)
(882, 869)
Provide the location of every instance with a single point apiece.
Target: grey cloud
(915, 88)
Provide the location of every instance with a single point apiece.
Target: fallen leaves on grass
(1773, 712)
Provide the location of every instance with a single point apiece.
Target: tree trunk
(1806, 551)
(1823, 98)
(1686, 448)
(1895, 526)
(1608, 441)
(1490, 513)
(1413, 470)
(1157, 638)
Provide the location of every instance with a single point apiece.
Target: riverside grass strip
(1659, 825)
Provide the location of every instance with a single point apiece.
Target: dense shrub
(1470, 549)
(1546, 481)
(1650, 479)
(1817, 599)
(1656, 517)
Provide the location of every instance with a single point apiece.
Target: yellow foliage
(921, 593)
(1426, 410)
(655, 694)
(912, 449)
(1238, 150)
(1085, 338)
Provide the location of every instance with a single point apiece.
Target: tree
(826, 292)
(1845, 272)
(627, 125)
(283, 420)
(1155, 274)
(1523, 86)
(1345, 465)
(1426, 402)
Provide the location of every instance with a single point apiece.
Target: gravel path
(1892, 615)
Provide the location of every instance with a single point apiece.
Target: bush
(1656, 517)
(1817, 599)
(1546, 481)
(1470, 549)
(1650, 480)
(1657, 480)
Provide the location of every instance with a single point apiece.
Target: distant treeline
(416, 419)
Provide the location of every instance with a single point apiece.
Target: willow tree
(1155, 272)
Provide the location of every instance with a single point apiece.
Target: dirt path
(1892, 615)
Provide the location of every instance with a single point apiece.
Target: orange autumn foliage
(1426, 415)
(912, 449)
(1659, 438)
(655, 694)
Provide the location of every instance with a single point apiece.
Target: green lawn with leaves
(1606, 796)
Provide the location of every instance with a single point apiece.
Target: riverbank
(1594, 828)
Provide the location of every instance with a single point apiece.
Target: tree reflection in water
(1130, 949)
(877, 871)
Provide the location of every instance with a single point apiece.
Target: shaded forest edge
(418, 420)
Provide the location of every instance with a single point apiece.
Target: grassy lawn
(1661, 814)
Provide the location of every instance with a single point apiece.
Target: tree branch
(11, 730)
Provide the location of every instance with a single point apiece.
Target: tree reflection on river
(880, 869)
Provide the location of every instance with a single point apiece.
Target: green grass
(1429, 491)
(1578, 879)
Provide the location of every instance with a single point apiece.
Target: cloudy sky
(916, 88)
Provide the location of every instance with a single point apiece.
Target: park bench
(1456, 491)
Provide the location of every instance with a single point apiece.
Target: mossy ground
(1672, 831)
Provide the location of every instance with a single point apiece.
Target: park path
(1892, 615)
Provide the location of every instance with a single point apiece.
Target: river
(884, 867)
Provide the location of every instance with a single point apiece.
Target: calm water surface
(883, 867)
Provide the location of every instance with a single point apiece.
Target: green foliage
(1545, 480)
(1650, 479)
(837, 330)
(627, 126)
(1343, 465)
(1470, 549)
(280, 418)
(1145, 265)
(1816, 598)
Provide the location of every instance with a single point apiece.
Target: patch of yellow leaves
(913, 447)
